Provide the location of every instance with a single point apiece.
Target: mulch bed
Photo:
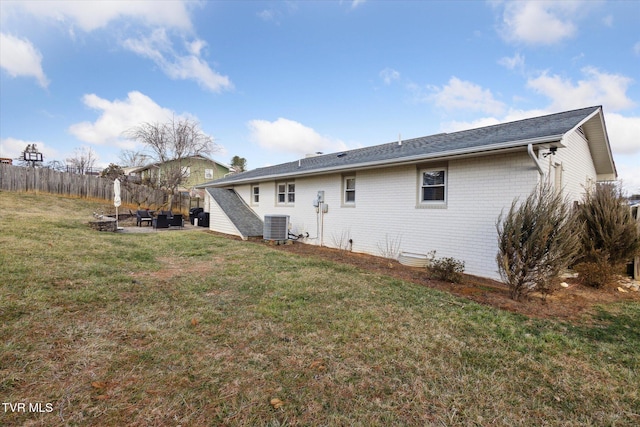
(570, 304)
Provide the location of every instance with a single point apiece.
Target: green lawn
(191, 329)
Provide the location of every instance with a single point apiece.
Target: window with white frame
(291, 193)
(208, 174)
(433, 186)
(186, 171)
(349, 190)
(286, 193)
(255, 194)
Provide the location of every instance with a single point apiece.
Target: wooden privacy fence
(25, 179)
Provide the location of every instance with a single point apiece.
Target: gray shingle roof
(537, 129)
(245, 220)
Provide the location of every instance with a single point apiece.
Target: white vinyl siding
(577, 166)
(453, 211)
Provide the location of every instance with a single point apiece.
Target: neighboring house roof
(542, 132)
(128, 170)
(157, 164)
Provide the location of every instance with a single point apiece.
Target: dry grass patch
(194, 329)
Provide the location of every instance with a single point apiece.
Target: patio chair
(176, 221)
(143, 216)
(161, 221)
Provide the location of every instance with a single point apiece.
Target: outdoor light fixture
(552, 151)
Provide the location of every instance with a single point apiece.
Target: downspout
(535, 159)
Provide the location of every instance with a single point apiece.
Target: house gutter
(535, 159)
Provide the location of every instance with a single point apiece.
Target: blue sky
(273, 80)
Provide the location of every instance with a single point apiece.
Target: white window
(433, 186)
(349, 189)
(291, 193)
(208, 174)
(286, 193)
(255, 194)
(186, 171)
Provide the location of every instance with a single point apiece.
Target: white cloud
(196, 46)
(356, 3)
(185, 63)
(464, 95)
(19, 57)
(194, 68)
(190, 66)
(624, 133)
(539, 22)
(116, 117)
(636, 48)
(13, 148)
(93, 15)
(270, 15)
(513, 63)
(291, 137)
(388, 75)
(151, 47)
(629, 173)
(597, 88)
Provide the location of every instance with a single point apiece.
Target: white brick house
(443, 192)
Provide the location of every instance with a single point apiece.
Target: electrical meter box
(320, 196)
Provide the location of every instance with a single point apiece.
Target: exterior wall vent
(276, 227)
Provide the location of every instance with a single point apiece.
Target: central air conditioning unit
(276, 227)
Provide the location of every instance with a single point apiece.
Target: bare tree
(173, 144)
(83, 160)
(131, 158)
(56, 165)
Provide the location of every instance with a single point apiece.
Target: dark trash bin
(203, 219)
(193, 213)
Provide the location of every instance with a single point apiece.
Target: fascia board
(600, 116)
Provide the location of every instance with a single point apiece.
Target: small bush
(447, 269)
(537, 239)
(595, 273)
(391, 247)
